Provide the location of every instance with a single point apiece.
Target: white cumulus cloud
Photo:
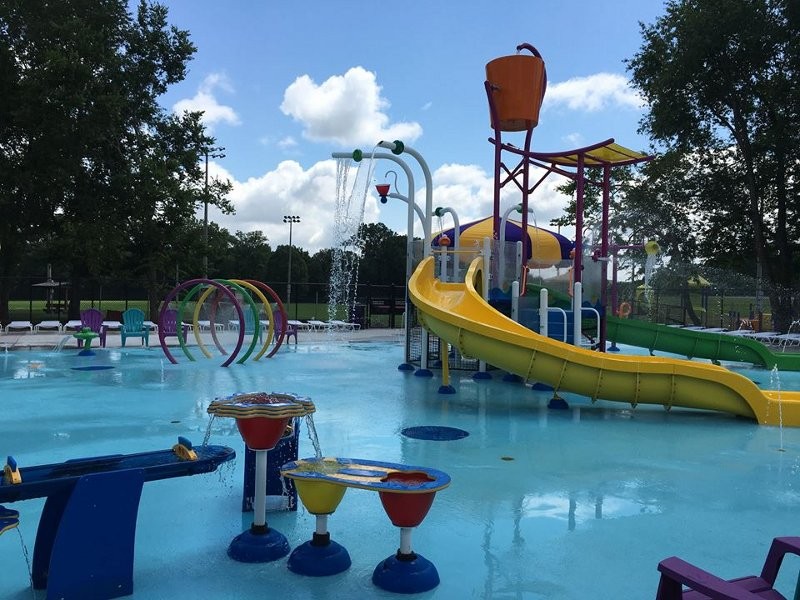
(345, 109)
(310, 193)
(593, 93)
(205, 100)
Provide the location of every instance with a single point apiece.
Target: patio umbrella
(548, 248)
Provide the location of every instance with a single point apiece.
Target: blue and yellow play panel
(367, 475)
(85, 540)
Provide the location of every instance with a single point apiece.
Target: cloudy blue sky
(283, 86)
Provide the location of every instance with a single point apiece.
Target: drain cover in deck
(434, 432)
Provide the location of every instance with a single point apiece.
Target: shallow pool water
(572, 504)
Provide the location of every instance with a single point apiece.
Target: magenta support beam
(579, 202)
(604, 226)
(497, 161)
(526, 242)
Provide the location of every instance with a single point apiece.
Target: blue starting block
(85, 540)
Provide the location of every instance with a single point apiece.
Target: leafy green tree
(383, 255)
(319, 266)
(278, 271)
(249, 256)
(722, 80)
(90, 163)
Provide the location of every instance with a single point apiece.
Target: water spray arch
(239, 293)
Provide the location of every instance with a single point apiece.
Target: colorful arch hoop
(228, 289)
(192, 283)
(624, 309)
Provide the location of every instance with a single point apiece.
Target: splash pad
(226, 302)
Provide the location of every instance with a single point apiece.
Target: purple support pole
(497, 161)
(578, 263)
(526, 243)
(604, 254)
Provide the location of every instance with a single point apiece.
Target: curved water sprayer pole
(440, 212)
(397, 147)
(503, 223)
(357, 156)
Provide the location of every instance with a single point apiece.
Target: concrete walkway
(50, 339)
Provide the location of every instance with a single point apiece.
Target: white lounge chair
(318, 325)
(73, 325)
(48, 325)
(19, 325)
(205, 325)
(112, 325)
(344, 325)
(786, 339)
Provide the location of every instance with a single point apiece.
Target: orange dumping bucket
(518, 84)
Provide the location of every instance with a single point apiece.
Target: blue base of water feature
(319, 557)
(447, 389)
(613, 348)
(405, 367)
(423, 373)
(256, 546)
(557, 403)
(406, 574)
(86, 352)
(482, 376)
(93, 368)
(511, 377)
(542, 387)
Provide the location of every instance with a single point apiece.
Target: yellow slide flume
(458, 314)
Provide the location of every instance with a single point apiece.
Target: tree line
(98, 179)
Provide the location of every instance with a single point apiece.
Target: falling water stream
(775, 384)
(348, 217)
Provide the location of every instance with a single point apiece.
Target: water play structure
(243, 301)
(85, 540)
(406, 493)
(459, 309)
(457, 313)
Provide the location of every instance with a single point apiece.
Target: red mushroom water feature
(262, 419)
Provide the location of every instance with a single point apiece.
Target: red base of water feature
(262, 433)
(403, 508)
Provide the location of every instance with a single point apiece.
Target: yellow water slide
(458, 314)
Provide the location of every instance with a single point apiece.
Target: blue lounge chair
(133, 326)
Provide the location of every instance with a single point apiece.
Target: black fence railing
(32, 299)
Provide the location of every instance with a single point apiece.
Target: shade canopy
(547, 247)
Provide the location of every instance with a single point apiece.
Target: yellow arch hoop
(624, 309)
(271, 331)
(245, 284)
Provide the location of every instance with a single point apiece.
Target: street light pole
(291, 220)
(205, 223)
(213, 153)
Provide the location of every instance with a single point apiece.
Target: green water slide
(690, 343)
(698, 344)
